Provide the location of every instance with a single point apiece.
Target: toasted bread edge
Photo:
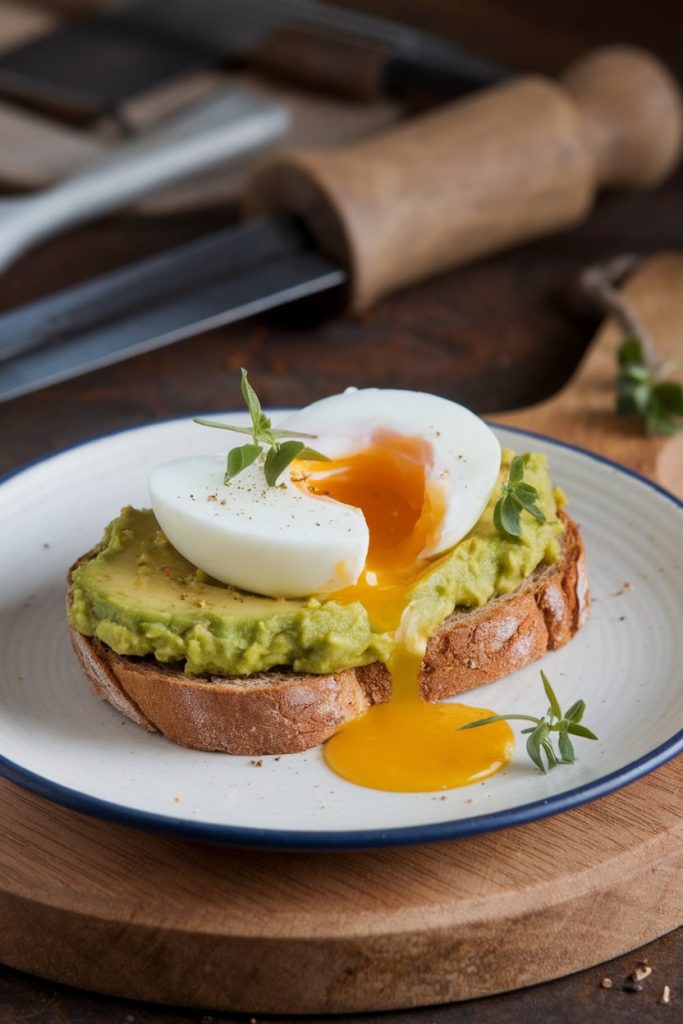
(284, 712)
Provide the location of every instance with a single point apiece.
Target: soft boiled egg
(433, 461)
(408, 476)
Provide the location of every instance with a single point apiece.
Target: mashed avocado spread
(139, 596)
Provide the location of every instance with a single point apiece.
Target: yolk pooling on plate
(406, 745)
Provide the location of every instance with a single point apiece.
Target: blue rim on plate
(349, 839)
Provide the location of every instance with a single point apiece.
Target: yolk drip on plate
(406, 745)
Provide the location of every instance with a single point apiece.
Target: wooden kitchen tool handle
(343, 67)
(508, 164)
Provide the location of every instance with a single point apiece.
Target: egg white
(284, 542)
(465, 452)
(277, 541)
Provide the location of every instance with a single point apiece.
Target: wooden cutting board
(119, 911)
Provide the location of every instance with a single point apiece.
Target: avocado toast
(289, 682)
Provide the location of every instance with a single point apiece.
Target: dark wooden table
(497, 335)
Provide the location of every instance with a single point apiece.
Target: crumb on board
(606, 983)
(256, 763)
(634, 980)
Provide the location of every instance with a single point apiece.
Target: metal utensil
(507, 165)
(225, 128)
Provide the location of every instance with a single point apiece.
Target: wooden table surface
(497, 335)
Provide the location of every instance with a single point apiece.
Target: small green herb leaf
(566, 748)
(540, 735)
(498, 517)
(240, 458)
(576, 711)
(222, 426)
(509, 516)
(669, 395)
(278, 458)
(524, 492)
(251, 400)
(641, 392)
(630, 352)
(526, 495)
(292, 433)
(500, 718)
(550, 754)
(533, 509)
(516, 495)
(312, 455)
(580, 730)
(533, 749)
(279, 454)
(516, 470)
(555, 708)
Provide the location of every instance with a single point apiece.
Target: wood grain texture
(583, 411)
(505, 165)
(261, 932)
(241, 930)
(576, 999)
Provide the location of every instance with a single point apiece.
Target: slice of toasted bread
(283, 712)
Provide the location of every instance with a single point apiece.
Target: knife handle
(341, 67)
(368, 69)
(511, 163)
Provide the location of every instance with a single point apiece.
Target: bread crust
(285, 712)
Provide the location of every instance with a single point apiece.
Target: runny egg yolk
(407, 744)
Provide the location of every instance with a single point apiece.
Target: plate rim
(346, 839)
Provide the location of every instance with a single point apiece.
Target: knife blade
(227, 276)
(505, 165)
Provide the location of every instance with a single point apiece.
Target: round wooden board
(108, 908)
(104, 907)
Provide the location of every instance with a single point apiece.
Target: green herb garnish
(280, 453)
(642, 392)
(540, 741)
(515, 496)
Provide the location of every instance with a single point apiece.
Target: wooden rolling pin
(511, 163)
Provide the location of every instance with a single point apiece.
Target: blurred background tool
(228, 127)
(509, 164)
(86, 69)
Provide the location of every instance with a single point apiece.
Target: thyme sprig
(641, 387)
(516, 495)
(279, 454)
(539, 740)
(642, 391)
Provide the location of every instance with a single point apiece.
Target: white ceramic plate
(61, 742)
